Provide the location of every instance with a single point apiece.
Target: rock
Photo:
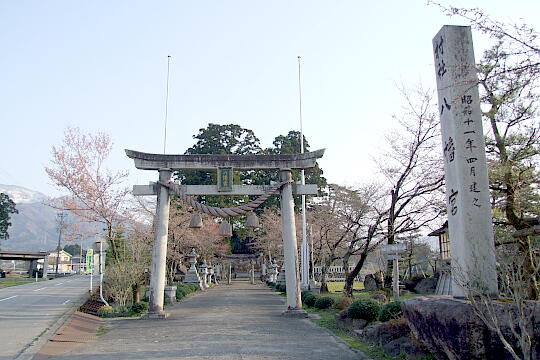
(370, 284)
(352, 324)
(411, 283)
(397, 346)
(382, 333)
(380, 298)
(426, 286)
(450, 329)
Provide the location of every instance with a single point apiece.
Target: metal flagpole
(305, 247)
(167, 103)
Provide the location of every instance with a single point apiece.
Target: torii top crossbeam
(146, 161)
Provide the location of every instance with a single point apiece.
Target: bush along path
(374, 327)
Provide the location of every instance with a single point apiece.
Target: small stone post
(159, 251)
(395, 279)
(229, 278)
(465, 170)
(290, 247)
(252, 273)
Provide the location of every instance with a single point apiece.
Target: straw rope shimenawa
(223, 212)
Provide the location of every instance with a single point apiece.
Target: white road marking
(59, 284)
(11, 297)
(65, 302)
(39, 289)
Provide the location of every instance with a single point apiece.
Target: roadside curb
(30, 350)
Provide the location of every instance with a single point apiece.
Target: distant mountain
(21, 195)
(34, 227)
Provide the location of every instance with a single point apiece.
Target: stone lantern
(192, 276)
(204, 274)
(211, 277)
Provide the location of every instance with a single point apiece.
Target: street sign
(89, 261)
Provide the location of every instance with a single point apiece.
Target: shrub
(304, 294)
(106, 311)
(139, 307)
(390, 311)
(181, 292)
(310, 299)
(324, 302)
(184, 289)
(366, 309)
(343, 303)
(281, 287)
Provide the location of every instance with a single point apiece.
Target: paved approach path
(238, 321)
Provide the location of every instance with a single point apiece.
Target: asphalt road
(27, 311)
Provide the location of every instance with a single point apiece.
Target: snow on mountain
(21, 195)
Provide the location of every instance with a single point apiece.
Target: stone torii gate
(165, 164)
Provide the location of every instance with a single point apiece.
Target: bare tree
(182, 239)
(268, 239)
(413, 167)
(330, 233)
(125, 275)
(95, 193)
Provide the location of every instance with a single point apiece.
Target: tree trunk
(346, 258)
(349, 280)
(324, 268)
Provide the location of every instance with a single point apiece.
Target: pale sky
(101, 66)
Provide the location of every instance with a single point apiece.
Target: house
(65, 264)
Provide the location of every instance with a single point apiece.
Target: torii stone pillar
(465, 170)
(290, 248)
(159, 251)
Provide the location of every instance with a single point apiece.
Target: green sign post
(90, 261)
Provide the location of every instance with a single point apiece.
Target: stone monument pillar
(290, 247)
(159, 251)
(465, 170)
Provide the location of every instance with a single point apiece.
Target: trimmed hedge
(281, 287)
(184, 289)
(310, 299)
(324, 302)
(366, 309)
(390, 311)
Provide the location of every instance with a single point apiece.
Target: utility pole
(304, 249)
(60, 217)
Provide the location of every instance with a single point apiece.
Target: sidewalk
(240, 321)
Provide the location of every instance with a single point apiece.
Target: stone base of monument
(314, 288)
(295, 313)
(155, 315)
(450, 329)
(170, 294)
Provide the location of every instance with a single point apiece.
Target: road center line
(59, 284)
(11, 297)
(39, 289)
(65, 302)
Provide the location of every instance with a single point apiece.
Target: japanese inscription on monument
(467, 191)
